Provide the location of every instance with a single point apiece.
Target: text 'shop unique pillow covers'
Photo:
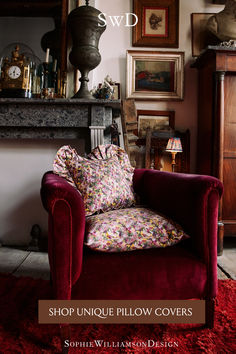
(131, 229)
(104, 178)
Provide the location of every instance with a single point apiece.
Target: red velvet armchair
(184, 271)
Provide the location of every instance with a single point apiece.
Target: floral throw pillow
(64, 156)
(103, 184)
(131, 229)
(103, 152)
(104, 178)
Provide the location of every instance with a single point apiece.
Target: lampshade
(174, 145)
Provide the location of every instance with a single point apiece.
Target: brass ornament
(15, 75)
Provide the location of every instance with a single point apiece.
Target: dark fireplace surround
(58, 119)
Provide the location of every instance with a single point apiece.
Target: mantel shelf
(55, 118)
(61, 101)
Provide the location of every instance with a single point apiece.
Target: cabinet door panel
(229, 197)
(230, 114)
(230, 138)
(229, 97)
(230, 230)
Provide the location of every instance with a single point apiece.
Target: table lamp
(173, 146)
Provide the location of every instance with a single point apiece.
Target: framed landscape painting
(155, 75)
(154, 120)
(158, 24)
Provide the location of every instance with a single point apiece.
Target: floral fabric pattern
(131, 229)
(103, 184)
(64, 156)
(103, 152)
(104, 178)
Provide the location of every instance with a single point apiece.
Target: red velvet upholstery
(187, 270)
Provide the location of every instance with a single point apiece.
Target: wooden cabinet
(216, 151)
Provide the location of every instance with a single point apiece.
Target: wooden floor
(35, 264)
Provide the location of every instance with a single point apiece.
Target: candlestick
(54, 76)
(54, 68)
(44, 91)
(47, 56)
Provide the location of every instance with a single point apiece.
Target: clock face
(14, 72)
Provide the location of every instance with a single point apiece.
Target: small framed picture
(116, 93)
(158, 24)
(155, 75)
(200, 34)
(154, 120)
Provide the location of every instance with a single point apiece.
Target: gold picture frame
(116, 93)
(153, 75)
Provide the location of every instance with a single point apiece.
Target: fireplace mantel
(58, 119)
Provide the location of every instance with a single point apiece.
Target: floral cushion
(131, 229)
(104, 185)
(103, 152)
(64, 156)
(104, 178)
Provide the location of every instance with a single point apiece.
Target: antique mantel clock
(15, 75)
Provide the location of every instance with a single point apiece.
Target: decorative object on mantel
(173, 146)
(53, 81)
(83, 23)
(15, 75)
(53, 84)
(39, 80)
(223, 25)
(44, 91)
(106, 90)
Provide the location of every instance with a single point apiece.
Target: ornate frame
(162, 29)
(155, 116)
(155, 75)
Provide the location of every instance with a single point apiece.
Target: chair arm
(66, 227)
(190, 200)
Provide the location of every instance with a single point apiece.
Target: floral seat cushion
(131, 229)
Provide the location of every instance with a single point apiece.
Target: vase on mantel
(86, 29)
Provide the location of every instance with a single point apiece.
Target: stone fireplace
(58, 119)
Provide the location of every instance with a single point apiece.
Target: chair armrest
(190, 200)
(66, 227)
